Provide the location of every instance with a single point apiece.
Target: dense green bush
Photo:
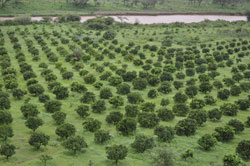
(207, 141)
(164, 133)
(231, 160)
(186, 127)
(224, 134)
(237, 125)
(142, 143)
(243, 149)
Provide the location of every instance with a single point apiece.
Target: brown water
(142, 19)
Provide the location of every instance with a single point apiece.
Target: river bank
(149, 19)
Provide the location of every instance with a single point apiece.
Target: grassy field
(184, 36)
(59, 7)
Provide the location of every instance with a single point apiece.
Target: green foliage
(131, 110)
(142, 143)
(5, 117)
(59, 117)
(45, 158)
(237, 125)
(164, 133)
(134, 98)
(148, 120)
(243, 149)
(224, 134)
(65, 130)
(92, 125)
(52, 106)
(75, 144)
(114, 117)
(38, 139)
(165, 114)
(231, 160)
(6, 131)
(126, 126)
(109, 35)
(199, 116)
(214, 114)
(116, 152)
(187, 154)
(98, 106)
(7, 150)
(102, 136)
(186, 127)
(33, 123)
(163, 156)
(116, 101)
(82, 111)
(207, 141)
(180, 109)
(29, 110)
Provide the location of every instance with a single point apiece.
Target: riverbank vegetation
(102, 93)
(90, 7)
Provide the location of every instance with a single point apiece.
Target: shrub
(101, 136)
(43, 98)
(59, 117)
(29, 110)
(105, 93)
(207, 141)
(237, 125)
(65, 130)
(61, 92)
(197, 104)
(187, 154)
(139, 83)
(147, 107)
(52, 106)
(88, 97)
(109, 35)
(131, 110)
(126, 126)
(134, 98)
(164, 133)
(224, 134)
(229, 109)
(179, 97)
(114, 117)
(75, 143)
(231, 160)
(5, 117)
(180, 109)
(148, 120)
(82, 111)
(89, 79)
(223, 94)
(152, 93)
(35, 89)
(243, 149)
(92, 125)
(214, 114)
(186, 127)
(98, 106)
(123, 89)
(165, 114)
(142, 143)
(199, 116)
